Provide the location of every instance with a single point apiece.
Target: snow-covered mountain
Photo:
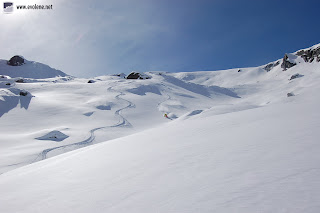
(238, 140)
(29, 69)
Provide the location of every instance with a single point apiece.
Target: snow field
(234, 142)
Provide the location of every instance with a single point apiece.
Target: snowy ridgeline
(239, 140)
(29, 69)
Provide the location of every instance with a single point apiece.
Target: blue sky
(91, 38)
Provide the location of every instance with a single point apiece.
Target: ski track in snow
(123, 122)
(167, 99)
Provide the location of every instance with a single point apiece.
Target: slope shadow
(53, 136)
(104, 107)
(10, 102)
(200, 89)
(143, 89)
(25, 101)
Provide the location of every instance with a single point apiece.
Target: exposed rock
(1, 76)
(286, 64)
(133, 75)
(290, 94)
(136, 75)
(239, 70)
(8, 84)
(268, 67)
(20, 81)
(297, 75)
(271, 66)
(91, 81)
(23, 93)
(310, 55)
(16, 61)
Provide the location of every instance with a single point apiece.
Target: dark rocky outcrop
(20, 81)
(133, 75)
(310, 55)
(23, 93)
(290, 94)
(91, 81)
(136, 75)
(8, 84)
(271, 66)
(286, 64)
(16, 61)
(297, 75)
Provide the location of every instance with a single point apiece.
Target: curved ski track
(123, 122)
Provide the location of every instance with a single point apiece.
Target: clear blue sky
(91, 38)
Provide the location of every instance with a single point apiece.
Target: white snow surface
(233, 142)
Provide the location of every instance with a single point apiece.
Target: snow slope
(109, 108)
(260, 160)
(30, 69)
(234, 142)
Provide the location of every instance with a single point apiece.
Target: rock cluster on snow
(16, 61)
(297, 75)
(137, 75)
(23, 93)
(286, 64)
(290, 94)
(20, 81)
(310, 54)
(271, 66)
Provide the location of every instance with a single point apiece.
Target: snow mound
(143, 89)
(206, 91)
(53, 136)
(30, 69)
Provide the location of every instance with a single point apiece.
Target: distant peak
(16, 60)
